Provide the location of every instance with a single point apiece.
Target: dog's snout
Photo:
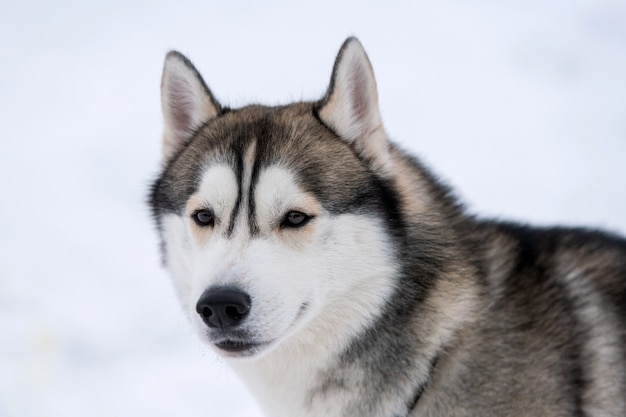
(223, 308)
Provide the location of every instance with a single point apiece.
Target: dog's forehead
(290, 137)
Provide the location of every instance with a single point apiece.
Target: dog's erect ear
(186, 101)
(350, 106)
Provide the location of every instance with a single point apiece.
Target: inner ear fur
(186, 102)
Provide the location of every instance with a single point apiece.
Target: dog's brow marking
(238, 169)
(251, 176)
(242, 209)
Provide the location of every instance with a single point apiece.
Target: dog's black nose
(223, 308)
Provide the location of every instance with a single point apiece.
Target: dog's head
(276, 221)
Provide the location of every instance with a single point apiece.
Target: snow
(522, 107)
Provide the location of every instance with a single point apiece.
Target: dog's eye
(295, 219)
(204, 218)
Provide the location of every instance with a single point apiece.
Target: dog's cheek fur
(282, 285)
(345, 274)
(339, 263)
(346, 270)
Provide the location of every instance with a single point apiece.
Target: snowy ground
(522, 108)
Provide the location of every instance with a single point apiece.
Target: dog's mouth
(240, 347)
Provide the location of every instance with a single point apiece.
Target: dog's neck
(292, 379)
(283, 381)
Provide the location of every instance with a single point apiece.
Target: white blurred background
(520, 105)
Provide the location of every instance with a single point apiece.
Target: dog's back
(551, 339)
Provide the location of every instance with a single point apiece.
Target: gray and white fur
(339, 277)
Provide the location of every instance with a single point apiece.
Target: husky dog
(339, 277)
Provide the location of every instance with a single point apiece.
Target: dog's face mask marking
(258, 244)
(276, 268)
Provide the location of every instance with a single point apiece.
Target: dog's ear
(350, 106)
(186, 102)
